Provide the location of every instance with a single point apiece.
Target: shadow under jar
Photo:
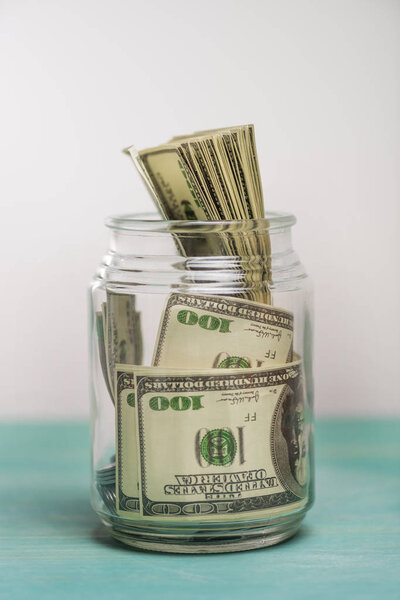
(201, 384)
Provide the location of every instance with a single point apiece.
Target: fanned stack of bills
(209, 175)
(213, 428)
(213, 176)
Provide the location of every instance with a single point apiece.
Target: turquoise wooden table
(52, 545)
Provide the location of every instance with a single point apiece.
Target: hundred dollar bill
(100, 329)
(216, 447)
(124, 337)
(216, 332)
(177, 193)
(137, 161)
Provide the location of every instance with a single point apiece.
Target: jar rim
(151, 222)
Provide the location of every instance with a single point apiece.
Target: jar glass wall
(200, 447)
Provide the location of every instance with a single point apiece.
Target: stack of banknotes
(213, 428)
(212, 176)
(209, 175)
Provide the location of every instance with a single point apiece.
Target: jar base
(210, 544)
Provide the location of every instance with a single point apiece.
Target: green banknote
(123, 340)
(210, 445)
(222, 332)
(127, 464)
(178, 195)
(100, 330)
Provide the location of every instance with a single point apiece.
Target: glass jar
(201, 384)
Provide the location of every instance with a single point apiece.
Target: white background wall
(82, 79)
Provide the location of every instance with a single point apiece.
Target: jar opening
(151, 222)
